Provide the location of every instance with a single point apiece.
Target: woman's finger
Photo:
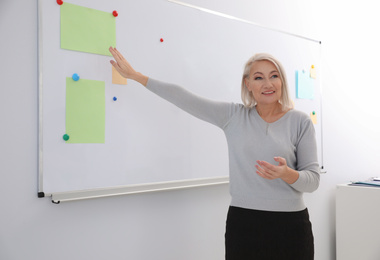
(116, 54)
(121, 57)
(267, 166)
(280, 160)
(264, 172)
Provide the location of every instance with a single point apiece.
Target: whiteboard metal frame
(40, 107)
(133, 189)
(240, 19)
(58, 197)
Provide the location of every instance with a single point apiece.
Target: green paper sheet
(87, 30)
(85, 111)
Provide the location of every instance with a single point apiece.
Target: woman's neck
(270, 113)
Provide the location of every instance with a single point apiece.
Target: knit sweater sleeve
(307, 159)
(214, 112)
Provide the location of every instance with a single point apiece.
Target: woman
(272, 158)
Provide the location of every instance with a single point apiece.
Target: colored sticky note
(87, 30)
(313, 117)
(85, 111)
(117, 78)
(313, 72)
(304, 85)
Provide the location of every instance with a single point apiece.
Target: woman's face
(264, 82)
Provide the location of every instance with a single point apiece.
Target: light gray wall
(185, 224)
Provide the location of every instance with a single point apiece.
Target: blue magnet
(114, 98)
(66, 137)
(75, 77)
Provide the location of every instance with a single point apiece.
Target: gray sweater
(249, 139)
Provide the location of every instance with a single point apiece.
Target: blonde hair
(247, 96)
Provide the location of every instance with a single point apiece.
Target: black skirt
(268, 235)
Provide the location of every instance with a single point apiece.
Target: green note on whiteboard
(85, 111)
(87, 30)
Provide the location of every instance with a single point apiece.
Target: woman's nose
(267, 83)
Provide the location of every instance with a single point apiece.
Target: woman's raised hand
(125, 69)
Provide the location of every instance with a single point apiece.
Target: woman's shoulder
(239, 111)
(299, 116)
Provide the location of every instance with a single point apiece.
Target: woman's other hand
(282, 171)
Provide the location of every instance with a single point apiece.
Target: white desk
(357, 223)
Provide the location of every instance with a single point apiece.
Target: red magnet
(60, 2)
(161, 40)
(115, 13)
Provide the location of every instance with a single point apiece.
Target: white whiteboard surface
(150, 142)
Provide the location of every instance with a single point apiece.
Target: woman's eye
(258, 78)
(275, 76)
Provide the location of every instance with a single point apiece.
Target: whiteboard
(149, 143)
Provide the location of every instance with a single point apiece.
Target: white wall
(186, 224)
